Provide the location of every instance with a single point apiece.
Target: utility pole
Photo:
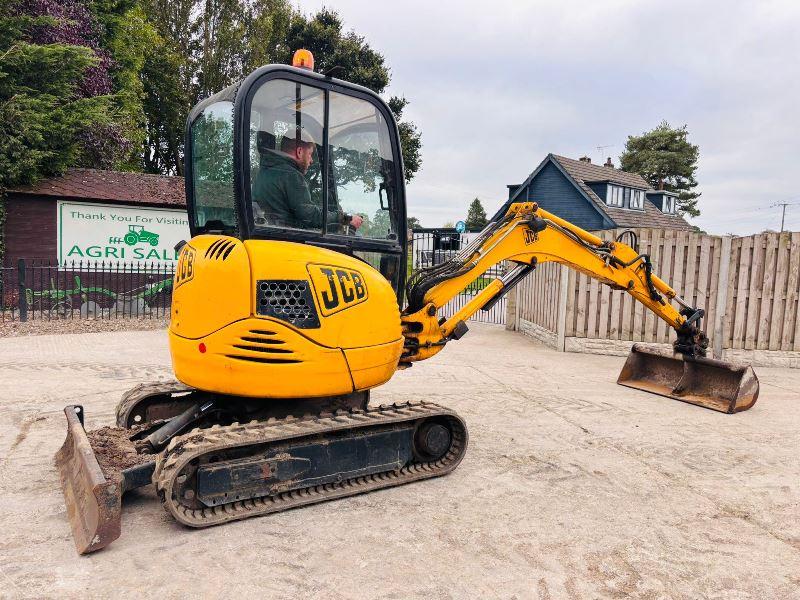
(783, 206)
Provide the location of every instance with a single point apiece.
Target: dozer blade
(94, 504)
(706, 382)
(94, 499)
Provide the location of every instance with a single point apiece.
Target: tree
(667, 160)
(448, 225)
(168, 80)
(348, 56)
(57, 102)
(125, 36)
(57, 108)
(413, 223)
(410, 138)
(476, 216)
(204, 46)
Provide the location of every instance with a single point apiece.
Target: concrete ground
(573, 487)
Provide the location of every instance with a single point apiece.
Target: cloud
(496, 86)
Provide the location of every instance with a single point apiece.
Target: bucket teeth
(715, 384)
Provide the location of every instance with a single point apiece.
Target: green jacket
(281, 190)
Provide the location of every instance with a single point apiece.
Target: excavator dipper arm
(527, 236)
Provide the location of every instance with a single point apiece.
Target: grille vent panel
(220, 249)
(262, 349)
(289, 300)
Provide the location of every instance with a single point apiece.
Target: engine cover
(274, 319)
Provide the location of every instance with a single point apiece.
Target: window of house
(615, 196)
(669, 205)
(637, 199)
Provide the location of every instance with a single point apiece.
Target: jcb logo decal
(337, 288)
(530, 237)
(185, 269)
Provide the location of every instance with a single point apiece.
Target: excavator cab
(345, 192)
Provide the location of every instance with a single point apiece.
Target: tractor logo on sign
(137, 234)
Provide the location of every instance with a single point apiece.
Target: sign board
(119, 235)
(461, 227)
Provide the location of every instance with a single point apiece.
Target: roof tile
(651, 216)
(111, 186)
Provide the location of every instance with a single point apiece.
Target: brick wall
(30, 228)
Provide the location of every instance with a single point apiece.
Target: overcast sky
(494, 86)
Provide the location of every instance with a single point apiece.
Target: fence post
(561, 324)
(512, 309)
(722, 296)
(23, 299)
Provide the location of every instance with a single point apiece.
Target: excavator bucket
(710, 383)
(94, 497)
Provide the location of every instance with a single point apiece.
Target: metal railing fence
(38, 289)
(432, 248)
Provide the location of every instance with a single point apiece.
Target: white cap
(304, 135)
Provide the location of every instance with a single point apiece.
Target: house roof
(651, 216)
(582, 173)
(111, 186)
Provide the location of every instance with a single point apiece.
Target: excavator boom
(527, 236)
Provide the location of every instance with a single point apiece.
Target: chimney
(609, 164)
(585, 159)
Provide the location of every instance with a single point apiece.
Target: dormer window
(637, 199)
(615, 195)
(670, 205)
(624, 197)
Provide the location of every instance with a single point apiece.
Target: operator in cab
(281, 189)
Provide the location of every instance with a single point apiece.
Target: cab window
(286, 133)
(212, 168)
(361, 169)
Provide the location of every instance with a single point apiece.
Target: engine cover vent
(289, 300)
(220, 249)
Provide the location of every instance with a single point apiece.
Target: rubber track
(185, 448)
(143, 391)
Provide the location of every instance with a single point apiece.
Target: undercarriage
(216, 458)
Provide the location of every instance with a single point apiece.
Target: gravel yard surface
(572, 487)
(58, 326)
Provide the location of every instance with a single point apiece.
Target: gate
(433, 246)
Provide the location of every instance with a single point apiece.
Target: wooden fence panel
(730, 304)
(776, 328)
(572, 294)
(767, 292)
(697, 284)
(742, 283)
(761, 291)
(538, 296)
(791, 335)
(656, 252)
(645, 240)
(715, 254)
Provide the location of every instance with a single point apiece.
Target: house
(596, 197)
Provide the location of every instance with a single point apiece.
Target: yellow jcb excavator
(288, 307)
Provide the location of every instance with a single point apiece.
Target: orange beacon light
(303, 59)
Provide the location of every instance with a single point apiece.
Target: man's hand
(356, 221)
